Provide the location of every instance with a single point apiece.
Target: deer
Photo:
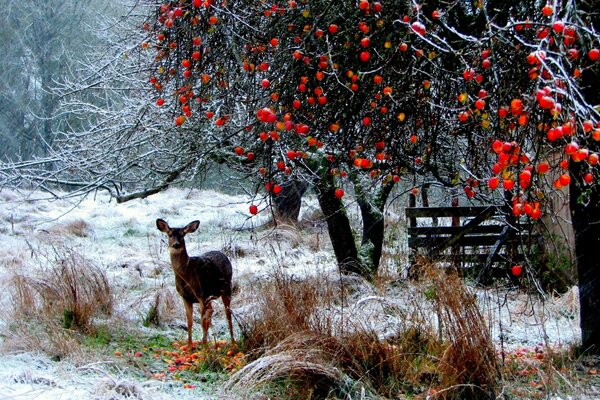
(198, 279)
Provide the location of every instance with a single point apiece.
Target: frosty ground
(124, 241)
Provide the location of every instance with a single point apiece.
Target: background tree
(41, 43)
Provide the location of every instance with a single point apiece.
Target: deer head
(176, 235)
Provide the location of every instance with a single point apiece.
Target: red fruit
(418, 27)
(593, 159)
(366, 121)
(365, 56)
(588, 178)
(377, 7)
(468, 74)
(274, 42)
(516, 270)
(480, 104)
(493, 182)
(333, 28)
(516, 106)
(239, 150)
(558, 26)
(265, 83)
(573, 54)
(253, 209)
(546, 102)
(571, 148)
(486, 63)
(587, 125)
(508, 184)
(594, 54)
(403, 47)
(339, 193)
(463, 116)
(250, 156)
(548, 10)
(180, 120)
(497, 146)
(365, 42)
(160, 102)
(543, 167)
(186, 63)
(564, 179)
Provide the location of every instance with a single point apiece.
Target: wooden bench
(465, 236)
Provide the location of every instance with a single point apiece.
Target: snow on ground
(123, 239)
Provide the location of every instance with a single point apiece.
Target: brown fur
(198, 279)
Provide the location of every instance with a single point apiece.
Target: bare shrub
(286, 305)
(163, 308)
(303, 365)
(319, 329)
(469, 366)
(66, 292)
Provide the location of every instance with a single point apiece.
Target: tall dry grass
(315, 338)
(61, 294)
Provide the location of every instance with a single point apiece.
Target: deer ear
(191, 227)
(162, 225)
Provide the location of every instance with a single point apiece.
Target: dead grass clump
(469, 366)
(304, 365)
(304, 334)
(163, 308)
(286, 306)
(79, 228)
(406, 363)
(67, 291)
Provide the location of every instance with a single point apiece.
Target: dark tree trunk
(340, 231)
(287, 203)
(585, 211)
(373, 226)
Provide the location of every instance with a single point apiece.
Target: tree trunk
(585, 211)
(287, 203)
(340, 231)
(373, 225)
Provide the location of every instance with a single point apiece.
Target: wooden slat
(476, 258)
(468, 211)
(454, 230)
(442, 242)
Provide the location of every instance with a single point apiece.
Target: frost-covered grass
(122, 354)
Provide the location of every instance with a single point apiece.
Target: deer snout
(176, 245)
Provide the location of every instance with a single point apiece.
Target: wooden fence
(466, 236)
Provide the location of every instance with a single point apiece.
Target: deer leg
(189, 314)
(227, 304)
(207, 311)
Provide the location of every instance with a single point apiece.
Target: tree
(40, 44)
(359, 94)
